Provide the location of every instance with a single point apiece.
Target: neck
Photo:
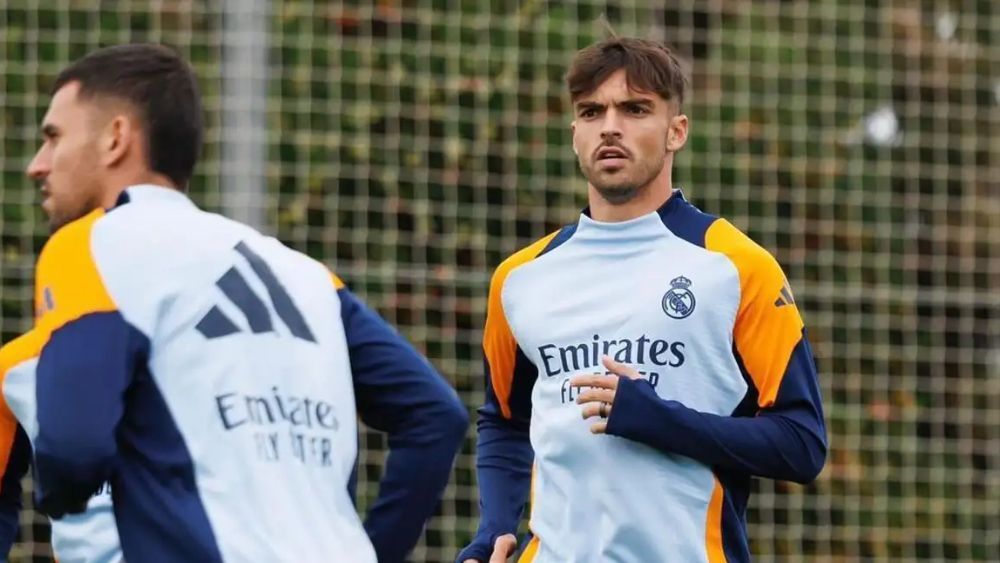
(120, 184)
(648, 199)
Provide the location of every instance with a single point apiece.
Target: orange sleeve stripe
(16, 351)
(498, 340)
(765, 334)
(713, 526)
(337, 282)
(531, 497)
(8, 431)
(531, 551)
(67, 282)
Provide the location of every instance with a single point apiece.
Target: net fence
(412, 145)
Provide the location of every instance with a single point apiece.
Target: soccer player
(213, 376)
(704, 376)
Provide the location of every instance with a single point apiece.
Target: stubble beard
(60, 217)
(621, 191)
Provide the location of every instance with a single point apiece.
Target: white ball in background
(882, 127)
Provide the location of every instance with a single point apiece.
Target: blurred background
(412, 145)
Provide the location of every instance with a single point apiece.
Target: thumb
(619, 368)
(502, 548)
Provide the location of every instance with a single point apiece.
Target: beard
(623, 185)
(60, 220)
(62, 214)
(75, 191)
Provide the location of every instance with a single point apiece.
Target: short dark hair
(650, 66)
(161, 87)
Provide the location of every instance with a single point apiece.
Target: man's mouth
(611, 158)
(46, 196)
(611, 153)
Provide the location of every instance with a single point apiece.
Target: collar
(151, 193)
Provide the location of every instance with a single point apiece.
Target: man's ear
(677, 132)
(117, 139)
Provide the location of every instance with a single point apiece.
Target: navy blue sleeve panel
(10, 490)
(503, 464)
(400, 393)
(518, 403)
(785, 441)
(82, 376)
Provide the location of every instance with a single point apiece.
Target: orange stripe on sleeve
(713, 526)
(768, 325)
(337, 282)
(531, 498)
(498, 340)
(67, 282)
(531, 551)
(8, 432)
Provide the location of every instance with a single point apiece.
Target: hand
(599, 400)
(502, 549)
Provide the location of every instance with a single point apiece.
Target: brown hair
(161, 87)
(650, 66)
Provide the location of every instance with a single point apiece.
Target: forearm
(64, 486)
(10, 510)
(82, 375)
(14, 468)
(9, 524)
(781, 446)
(503, 462)
(399, 392)
(417, 471)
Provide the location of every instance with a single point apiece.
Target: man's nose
(38, 168)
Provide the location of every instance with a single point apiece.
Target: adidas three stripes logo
(785, 298)
(215, 323)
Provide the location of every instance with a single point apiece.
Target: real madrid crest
(678, 302)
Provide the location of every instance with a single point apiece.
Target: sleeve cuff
(477, 551)
(630, 415)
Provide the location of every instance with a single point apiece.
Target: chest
(666, 309)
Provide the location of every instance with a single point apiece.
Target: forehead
(65, 105)
(615, 88)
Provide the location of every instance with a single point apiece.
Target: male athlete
(213, 376)
(705, 377)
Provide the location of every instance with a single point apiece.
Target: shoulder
(530, 252)
(750, 258)
(762, 280)
(716, 234)
(68, 283)
(69, 246)
(685, 220)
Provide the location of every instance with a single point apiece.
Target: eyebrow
(49, 130)
(642, 102)
(588, 105)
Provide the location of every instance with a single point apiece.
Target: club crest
(679, 301)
